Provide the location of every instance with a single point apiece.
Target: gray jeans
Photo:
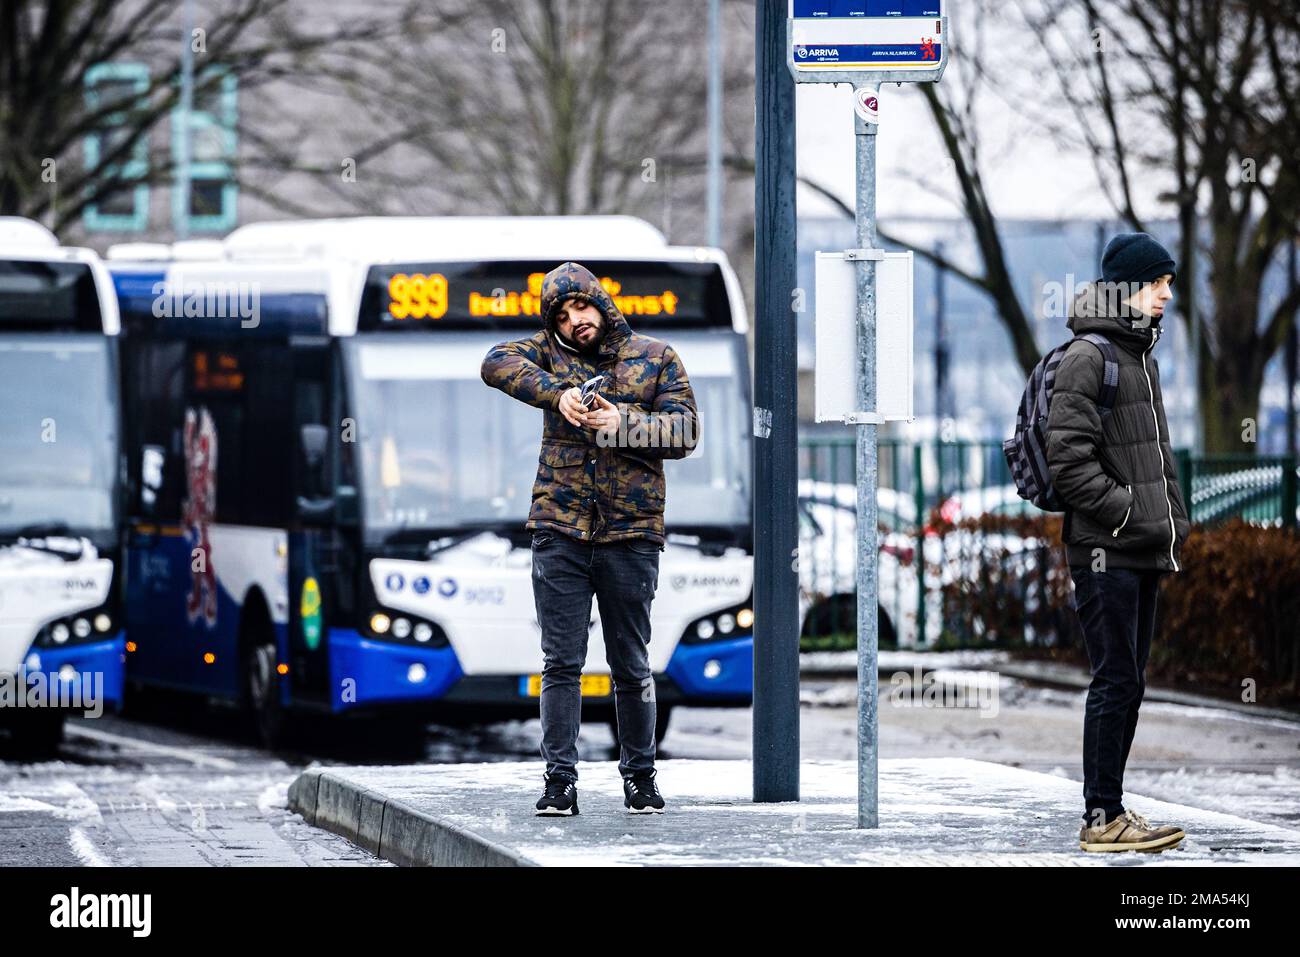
(623, 576)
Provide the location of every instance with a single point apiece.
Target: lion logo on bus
(199, 511)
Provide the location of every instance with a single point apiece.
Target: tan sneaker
(1129, 832)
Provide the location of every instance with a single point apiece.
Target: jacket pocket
(563, 456)
(1127, 513)
(563, 487)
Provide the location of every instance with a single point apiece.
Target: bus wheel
(662, 714)
(262, 686)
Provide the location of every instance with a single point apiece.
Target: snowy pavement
(933, 811)
(141, 796)
(187, 786)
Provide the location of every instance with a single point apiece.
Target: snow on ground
(951, 811)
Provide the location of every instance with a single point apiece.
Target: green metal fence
(934, 586)
(1259, 489)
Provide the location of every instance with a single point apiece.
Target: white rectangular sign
(837, 337)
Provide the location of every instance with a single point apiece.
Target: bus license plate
(593, 686)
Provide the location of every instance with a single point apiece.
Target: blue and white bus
(61, 640)
(336, 503)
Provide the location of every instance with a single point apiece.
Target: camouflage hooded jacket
(586, 489)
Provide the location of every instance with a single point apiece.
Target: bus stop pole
(868, 637)
(776, 478)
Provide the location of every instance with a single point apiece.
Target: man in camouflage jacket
(598, 488)
(597, 512)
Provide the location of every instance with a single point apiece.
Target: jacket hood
(1099, 308)
(571, 280)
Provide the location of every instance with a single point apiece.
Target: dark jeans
(623, 576)
(1117, 611)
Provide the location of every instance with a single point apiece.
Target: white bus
(355, 495)
(61, 640)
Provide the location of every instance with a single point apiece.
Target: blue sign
(865, 8)
(447, 587)
(869, 53)
(394, 582)
(420, 585)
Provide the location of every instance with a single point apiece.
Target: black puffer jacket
(1117, 477)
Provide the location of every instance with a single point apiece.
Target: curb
(391, 829)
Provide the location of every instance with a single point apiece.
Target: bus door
(321, 564)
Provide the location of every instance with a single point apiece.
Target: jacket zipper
(1164, 480)
(1115, 534)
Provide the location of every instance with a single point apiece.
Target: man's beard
(593, 345)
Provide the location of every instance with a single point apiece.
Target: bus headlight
(726, 623)
(395, 626)
(88, 625)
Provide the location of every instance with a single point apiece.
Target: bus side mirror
(313, 437)
(313, 506)
(152, 458)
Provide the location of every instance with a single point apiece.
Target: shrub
(1233, 610)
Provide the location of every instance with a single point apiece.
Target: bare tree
(1204, 94)
(954, 106)
(48, 48)
(549, 107)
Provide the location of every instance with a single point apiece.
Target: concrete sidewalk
(934, 811)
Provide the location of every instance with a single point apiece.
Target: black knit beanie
(1135, 257)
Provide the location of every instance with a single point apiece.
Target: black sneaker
(641, 794)
(559, 797)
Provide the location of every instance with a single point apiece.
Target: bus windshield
(441, 450)
(58, 451)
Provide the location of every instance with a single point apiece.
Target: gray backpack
(1026, 450)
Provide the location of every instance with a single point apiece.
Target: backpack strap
(1109, 372)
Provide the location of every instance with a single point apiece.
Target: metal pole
(942, 408)
(776, 474)
(1191, 310)
(868, 639)
(715, 124)
(181, 201)
(1292, 357)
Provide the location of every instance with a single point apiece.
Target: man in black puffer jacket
(1125, 520)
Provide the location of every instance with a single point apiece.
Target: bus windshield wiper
(709, 539)
(441, 537)
(51, 537)
(43, 530)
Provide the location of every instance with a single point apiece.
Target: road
(189, 787)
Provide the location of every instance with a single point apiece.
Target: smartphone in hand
(589, 391)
